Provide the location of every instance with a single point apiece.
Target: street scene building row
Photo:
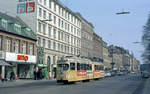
(37, 33)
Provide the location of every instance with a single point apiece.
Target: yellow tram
(73, 69)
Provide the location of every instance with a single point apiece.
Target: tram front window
(63, 67)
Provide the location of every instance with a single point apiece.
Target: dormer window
(4, 23)
(17, 27)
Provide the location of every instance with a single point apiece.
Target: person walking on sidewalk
(12, 76)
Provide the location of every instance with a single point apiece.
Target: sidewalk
(147, 87)
(20, 82)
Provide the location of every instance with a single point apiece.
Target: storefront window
(8, 44)
(24, 47)
(31, 49)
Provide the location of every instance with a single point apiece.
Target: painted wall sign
(28, 7)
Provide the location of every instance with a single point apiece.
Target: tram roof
(80, 60)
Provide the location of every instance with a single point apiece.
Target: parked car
(113, 73)
(145, 74)
(120, 73)
(107, 74)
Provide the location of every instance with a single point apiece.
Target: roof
(29, 34)
(82, 18)
(65, 7)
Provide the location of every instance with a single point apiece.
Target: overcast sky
(120, 30)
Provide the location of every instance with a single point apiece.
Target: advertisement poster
(21, 8)
(28, 7)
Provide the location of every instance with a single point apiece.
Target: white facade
(61, 36)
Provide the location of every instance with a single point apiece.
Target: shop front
(22, 65)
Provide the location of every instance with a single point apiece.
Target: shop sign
(20, 57)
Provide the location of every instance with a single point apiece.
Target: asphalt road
(129, 84)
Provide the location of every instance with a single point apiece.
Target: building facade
(97, 46)
(58, 29)
(17, 47)
(106, 57)
(86, 37)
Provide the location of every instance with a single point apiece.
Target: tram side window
(90, 67)
(72, 66)
(78, 66)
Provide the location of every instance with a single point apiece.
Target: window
(59, 35)
(71, 50)
(59, 22)
(39, 26)
(75, 51)
(72, 66)
(72, 29)
(40, 12)
(49, 16)
(49, 31)
(62, 12)
(54, 6)
(16, 46)
(39, 41)
(68, 27)
(17, 27)
(44, 14)
(78, 66)
(31, 49)
(45, 2)
(75, 31)
(65, 26)
(50, 2)
(24, 47)
(54, 45)
(62, 47)
(62, 24)
(49, 44)
(58, 47)
(59, 10)
(44, 43)
(4, 23)
(54, 33)
(44, 29)
(54, 19)
(62, 35)
(65, 48)
(0, 42)
(8, 44)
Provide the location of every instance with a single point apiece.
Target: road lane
(113, 85)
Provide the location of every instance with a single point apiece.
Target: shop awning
(26, 63)
(3, 63)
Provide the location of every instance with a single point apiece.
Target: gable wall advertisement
(25, 6)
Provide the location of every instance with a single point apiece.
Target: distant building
(86, 37)
(17, 47)
(107, 60)
(97, 46)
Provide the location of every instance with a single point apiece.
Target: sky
(120, 30)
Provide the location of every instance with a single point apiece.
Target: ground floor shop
(21, 65)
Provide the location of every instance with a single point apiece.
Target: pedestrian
(35, 75)
(12, 76)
